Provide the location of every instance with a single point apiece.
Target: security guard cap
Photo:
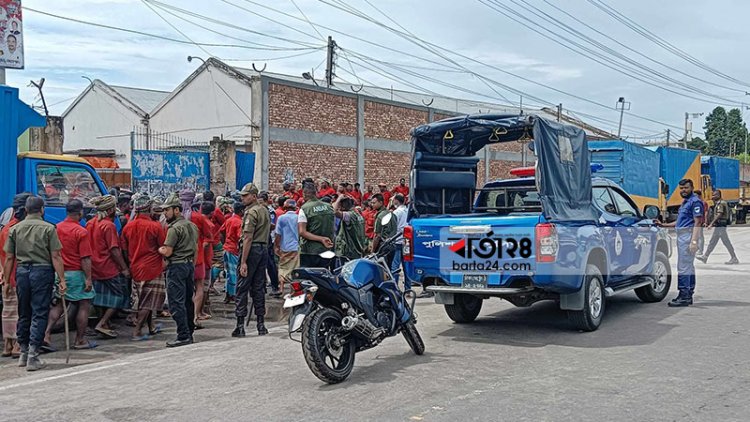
(249, 189)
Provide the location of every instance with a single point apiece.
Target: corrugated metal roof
(145, 99)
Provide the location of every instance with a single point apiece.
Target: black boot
(261, 326)
(239, 330)
(680, 301)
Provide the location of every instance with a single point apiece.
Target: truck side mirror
(665, 189)
(651, 212)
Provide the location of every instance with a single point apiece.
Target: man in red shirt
(369, 214)
(141, 240)
(291, 192)
(402, 189)
(368, 194)
(205, 240)
(76, 255)
(386, 195)
(355, 193)
(326, 189)
(108, 268)
(231, 231)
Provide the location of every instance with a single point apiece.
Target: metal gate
(164, 163)
(245, 163)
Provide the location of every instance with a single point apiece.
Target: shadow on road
(627, 322)
(386, 368)
(719, 304)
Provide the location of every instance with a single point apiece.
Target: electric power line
(149, 35)
(661, 42)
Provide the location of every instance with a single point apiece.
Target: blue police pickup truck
(555, 233)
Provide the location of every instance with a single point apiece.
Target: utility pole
(669, 133)
(330, 61)
(687, 129)
(559, 112)
(621, 105)
(2, 76)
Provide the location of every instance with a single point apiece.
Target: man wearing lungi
(76, 255)
(109, 271)
(286, 243)
(141, 240)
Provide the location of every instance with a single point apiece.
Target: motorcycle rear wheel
(330, 362)
(413, 338)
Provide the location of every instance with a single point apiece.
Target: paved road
(647, 362)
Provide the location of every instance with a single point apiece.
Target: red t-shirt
(141, 238)
(75, 244)
(3, 238)
(357, 196)
(279, 212)
(103, 237)
(326, 192)
(205, 235)
(367, 196)
(217, 219)
(403, 190)
(231, 230)
(386, 198)
(369, 216)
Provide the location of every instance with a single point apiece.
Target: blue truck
(556, 234)
(56, 178)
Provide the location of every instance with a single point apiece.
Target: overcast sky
(715, 33)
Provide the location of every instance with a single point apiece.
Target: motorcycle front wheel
(328, 356)
(413, 338)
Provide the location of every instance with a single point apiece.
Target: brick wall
(304, 109)
(391, 122)
(440, 116)
(337, 164)
(498, 170)
(386, 167)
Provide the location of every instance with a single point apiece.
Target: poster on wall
(11, 34)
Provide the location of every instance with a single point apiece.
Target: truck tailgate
(487, 246)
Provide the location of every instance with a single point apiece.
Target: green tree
(744, 158)
(725, 132)
(716, 132)
(736, 130)
(699, 144)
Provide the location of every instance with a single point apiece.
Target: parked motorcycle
(349, 310)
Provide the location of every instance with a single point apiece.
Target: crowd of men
(169, 252)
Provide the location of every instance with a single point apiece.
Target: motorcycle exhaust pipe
(348, 323)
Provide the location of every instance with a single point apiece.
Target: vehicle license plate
(293, 301)
(475, 281)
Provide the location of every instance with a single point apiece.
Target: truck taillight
(408, 247)
(546, 242)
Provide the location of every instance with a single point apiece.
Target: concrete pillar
(223, 165)
(361, 140)
(47, 139)
(265, 138)
(430, 115)
(257, 111)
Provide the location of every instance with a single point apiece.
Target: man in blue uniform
(688, 226)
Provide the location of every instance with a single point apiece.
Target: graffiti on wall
(160, 173)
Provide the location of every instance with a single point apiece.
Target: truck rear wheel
(659, 288)
(465, 308)
(590, 317)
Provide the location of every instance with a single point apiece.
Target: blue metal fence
(163, 172)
